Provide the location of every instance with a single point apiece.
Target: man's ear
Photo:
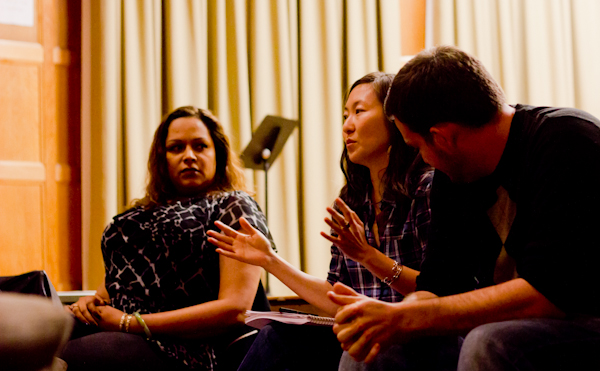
(442, 137)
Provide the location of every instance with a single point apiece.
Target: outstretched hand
(350, 232)
(247, 245)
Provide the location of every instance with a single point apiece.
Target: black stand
(266, 144)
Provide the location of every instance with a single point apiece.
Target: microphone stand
(266, 144)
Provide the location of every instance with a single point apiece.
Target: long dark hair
(229, 175)
(402, 158)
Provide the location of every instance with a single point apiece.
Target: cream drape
(243, 60)
(542, 52)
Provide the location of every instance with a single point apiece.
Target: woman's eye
(174, 148)
(200, 146)
(358, 111)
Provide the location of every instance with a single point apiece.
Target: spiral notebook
(260, 319)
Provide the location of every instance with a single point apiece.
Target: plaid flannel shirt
(402, 240)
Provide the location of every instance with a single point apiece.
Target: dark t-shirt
(551, 170)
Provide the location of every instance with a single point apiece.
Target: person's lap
(290, 347)
(533, 344)
(528, 344)
(90, 350)
(436, 353)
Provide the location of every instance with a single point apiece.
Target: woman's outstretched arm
(250, 246)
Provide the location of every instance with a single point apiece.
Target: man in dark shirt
(515, 207)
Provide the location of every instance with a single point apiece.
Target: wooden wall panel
(20, 33)
(21, 228)
(69, 237)
(20, 118)
(67, 171)
(40, 196)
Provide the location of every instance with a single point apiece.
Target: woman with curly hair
(168, 300)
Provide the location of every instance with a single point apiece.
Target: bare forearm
(237, 289)
(381, 265)
(199, 321)
(312, 289)
(102, 292)
(515, 299)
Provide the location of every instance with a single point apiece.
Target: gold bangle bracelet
(128, 322)
(122, 321)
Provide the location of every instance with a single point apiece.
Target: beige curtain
(543, 52)
(243, 60)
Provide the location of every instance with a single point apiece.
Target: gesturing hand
(248, 245)
(350, 232)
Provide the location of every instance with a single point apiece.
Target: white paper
(17, 12)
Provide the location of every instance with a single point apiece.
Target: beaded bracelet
(122, 321)
(143, 324)
(397, 270)
(127, 322)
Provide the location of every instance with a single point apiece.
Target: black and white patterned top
(159, 260)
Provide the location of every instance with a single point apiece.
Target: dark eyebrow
(177, 140)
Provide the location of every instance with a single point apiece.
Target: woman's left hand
(350, 232)
(107, 317)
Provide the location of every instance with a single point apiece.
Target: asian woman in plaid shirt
(379, 227)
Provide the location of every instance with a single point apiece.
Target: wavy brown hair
(229, 175)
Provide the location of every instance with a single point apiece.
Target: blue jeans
(524, 345)
(533, 344)
(281, 346)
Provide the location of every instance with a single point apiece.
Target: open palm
(247, 245)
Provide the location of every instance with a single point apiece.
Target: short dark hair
(402, 157)
(443, 84)
(229, 174)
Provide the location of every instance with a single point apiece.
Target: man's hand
(363, 326)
